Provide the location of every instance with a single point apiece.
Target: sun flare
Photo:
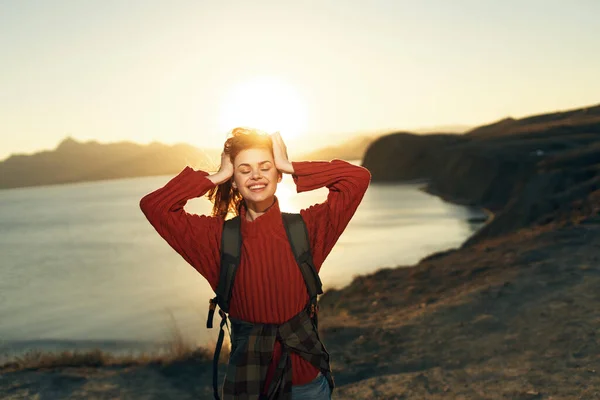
(265, 103)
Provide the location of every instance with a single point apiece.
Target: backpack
(231, 245)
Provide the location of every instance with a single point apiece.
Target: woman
(269, 288)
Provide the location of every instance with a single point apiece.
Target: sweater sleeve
(197, 238)
(347, 184)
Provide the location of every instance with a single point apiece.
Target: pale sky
(187, 71)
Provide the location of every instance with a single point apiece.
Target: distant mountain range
(352, 149)
(74, 161)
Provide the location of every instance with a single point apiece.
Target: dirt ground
(514, 318)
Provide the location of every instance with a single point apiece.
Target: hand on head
(280, 158)
(226, 168)
(282, 163)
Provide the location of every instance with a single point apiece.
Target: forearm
(218, 178)
(347, 184)
(194, 237)
(287, 168)
(188, 184)
(338, 175)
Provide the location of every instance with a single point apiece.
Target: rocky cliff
(529, 172)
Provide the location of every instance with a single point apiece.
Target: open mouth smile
(257, 187)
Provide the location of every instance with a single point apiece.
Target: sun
(266, 103)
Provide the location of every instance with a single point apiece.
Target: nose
(256, 174)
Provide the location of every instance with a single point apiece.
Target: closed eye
(262, 169)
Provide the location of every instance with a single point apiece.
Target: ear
(280, 175)
(233, 184)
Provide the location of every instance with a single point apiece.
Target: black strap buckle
(212, 305)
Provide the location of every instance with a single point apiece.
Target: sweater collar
(265, 222)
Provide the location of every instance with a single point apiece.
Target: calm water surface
(81, 267)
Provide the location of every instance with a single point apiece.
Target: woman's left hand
(280, 154)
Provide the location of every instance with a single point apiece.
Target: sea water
(81, 267)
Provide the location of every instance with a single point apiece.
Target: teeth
(257, 186)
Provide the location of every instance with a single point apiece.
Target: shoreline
(490, 215)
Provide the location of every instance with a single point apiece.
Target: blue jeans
(317, 389)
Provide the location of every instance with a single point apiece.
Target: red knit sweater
(269, 287)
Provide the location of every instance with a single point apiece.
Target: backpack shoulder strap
(298, 237)
(231, 245)
(231, 248)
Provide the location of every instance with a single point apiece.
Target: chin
(258, 197)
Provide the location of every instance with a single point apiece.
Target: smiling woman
(274, 298)
(265, 102)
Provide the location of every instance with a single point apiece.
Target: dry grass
(36, 359)
(178, 349)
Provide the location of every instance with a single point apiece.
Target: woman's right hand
(225, 170)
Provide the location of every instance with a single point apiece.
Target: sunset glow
(319, 72)
(265, 103)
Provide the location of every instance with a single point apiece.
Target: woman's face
(255, 175)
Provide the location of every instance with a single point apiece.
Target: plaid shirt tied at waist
(251, 350)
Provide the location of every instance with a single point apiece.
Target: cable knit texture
(269, 287)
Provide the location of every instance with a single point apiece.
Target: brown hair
(224, 197)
